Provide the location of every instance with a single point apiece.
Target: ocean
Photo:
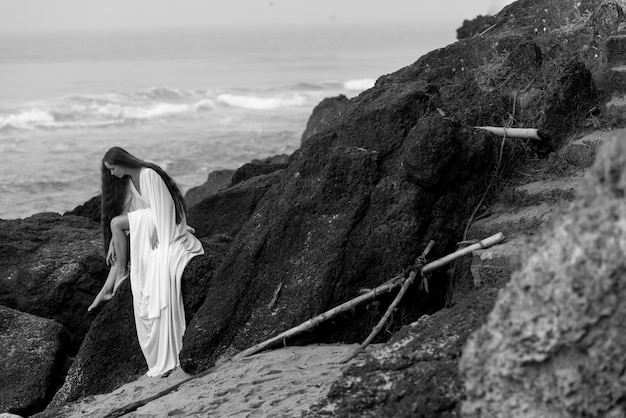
(191, 100)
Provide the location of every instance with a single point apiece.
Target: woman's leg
(119, 226)
(118, 272)
(106, 293)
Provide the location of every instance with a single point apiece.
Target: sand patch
(277, 383)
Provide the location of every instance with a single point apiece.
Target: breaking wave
(111, 109)
(262, 103)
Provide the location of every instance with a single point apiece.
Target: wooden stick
(391, 308)
(523, 133)
(388, 286)
(488, 29)
(485, 243)
(395, 282)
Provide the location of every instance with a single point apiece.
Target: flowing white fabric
(155, 274)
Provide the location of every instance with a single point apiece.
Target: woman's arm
(111, 254)
(161, 205)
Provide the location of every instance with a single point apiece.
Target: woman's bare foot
(107, 294)
(103, 296)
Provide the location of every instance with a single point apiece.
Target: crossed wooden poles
(384, 288)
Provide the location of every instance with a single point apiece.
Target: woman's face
(118, 171)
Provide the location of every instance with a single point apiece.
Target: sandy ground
(278, 383)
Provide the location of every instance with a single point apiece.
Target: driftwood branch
(391, 308)
(484, 243)
(522, 133)
(388, 286)
(313, 322)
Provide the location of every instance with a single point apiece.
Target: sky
(155, 14)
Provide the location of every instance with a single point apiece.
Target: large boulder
(326, 113)
(416, 373)
(273, 159)
(226, 211)
(357, 204)
(475, 26)
(32, 357)
(216, 181)
(52, 266)
(553, 90)
(554, 344)
(110, 355)
(90, 209)
(250, 170)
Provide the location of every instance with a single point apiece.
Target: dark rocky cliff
(400, 165)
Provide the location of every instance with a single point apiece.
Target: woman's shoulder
(149, 171)
(150, 174)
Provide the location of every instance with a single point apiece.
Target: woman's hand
(111, 254)
(154, 239)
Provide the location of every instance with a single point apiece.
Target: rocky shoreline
(375, 179)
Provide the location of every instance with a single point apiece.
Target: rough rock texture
(274, 159)
(32, 355)
(226, 211)
(415, 373)
(324, 115)
(525, 59)
(570, 47)
(554, 344)
(475, 26)
(355, 206)
(216, 181)
(571, 96)
(250, 170)
(52, 266)
(110, 354)
(90, 209)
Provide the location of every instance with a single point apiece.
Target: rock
(470, 104)
(110, 355)
(553, 345)
(52, 266)
(249, 170)
(32, 356)
(347, 213)
(605, 20)
(324, 115)
(616, 47)
(226, 211)
(415, 374)
(568, 102)
(525, 59)
(475, 26)
(216, 181)
(275, 159)
(90, 209)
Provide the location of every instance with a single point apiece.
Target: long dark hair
(114, 190)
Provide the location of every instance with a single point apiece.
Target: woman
(147, 217)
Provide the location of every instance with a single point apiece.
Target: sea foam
(360, 84)
(27, 119)
(262, 103)
(83, 111)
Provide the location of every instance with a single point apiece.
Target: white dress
(155, 274)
